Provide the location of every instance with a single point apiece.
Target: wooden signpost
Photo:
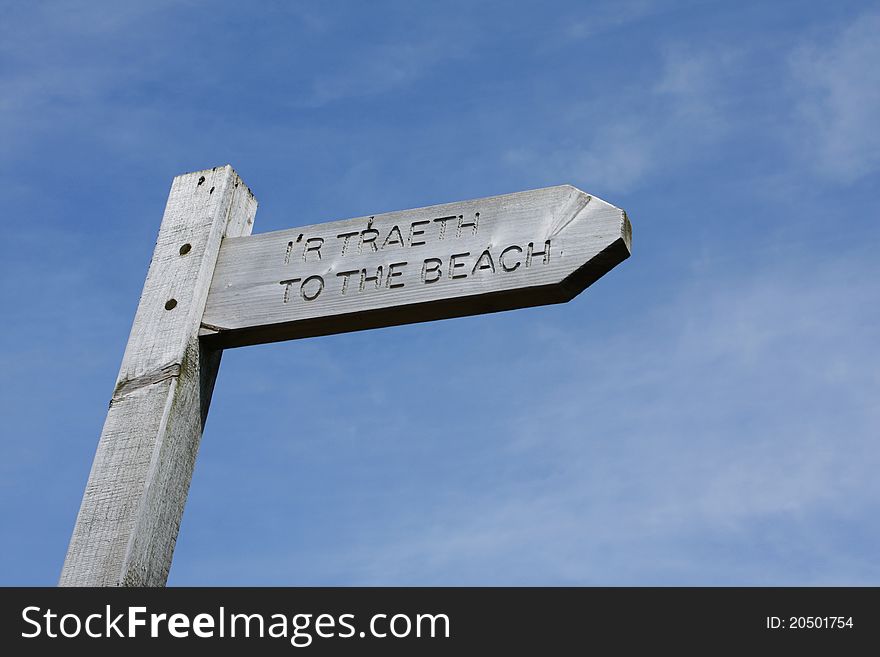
(212, 286)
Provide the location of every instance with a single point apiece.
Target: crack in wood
(128, 386)
(212, 327)
(577, 201)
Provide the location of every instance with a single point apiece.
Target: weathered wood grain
(485, 255)
(130, 514)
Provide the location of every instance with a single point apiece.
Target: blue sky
(707, 413)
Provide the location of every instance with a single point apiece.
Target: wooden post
(131, 510)
(204, 293)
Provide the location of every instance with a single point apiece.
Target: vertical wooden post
(130, 514)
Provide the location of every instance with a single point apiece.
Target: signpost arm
(131, 510)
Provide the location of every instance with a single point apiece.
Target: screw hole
(186, 248)
(170, 304)
(201, 180)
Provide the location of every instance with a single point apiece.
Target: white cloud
(623, 138)
(60, 77)
(838, 101)
(381, 68)
(745, 404)
(610, 16)
(814, 104)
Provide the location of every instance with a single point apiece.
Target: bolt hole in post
(186, 248)
(171, 304)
